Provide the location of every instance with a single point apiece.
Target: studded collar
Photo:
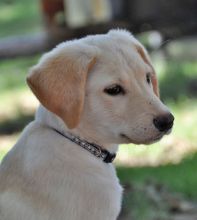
(93, 148)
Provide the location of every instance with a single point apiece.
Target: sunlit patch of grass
(3, 153)
(21, 102)
(6, 143)
(7, 13)
(186, 120)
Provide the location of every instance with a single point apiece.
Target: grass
(18, 17)
(15, 96)
(13, 73)
(2, 153)
(184, 77)
(180, 177)
(178, 183)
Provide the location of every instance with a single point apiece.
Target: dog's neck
(49, 119)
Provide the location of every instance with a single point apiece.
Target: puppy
(95, 93)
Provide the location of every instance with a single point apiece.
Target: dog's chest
(94, 195)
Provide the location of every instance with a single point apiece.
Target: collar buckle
(109, 157)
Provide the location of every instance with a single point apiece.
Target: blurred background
(160, 180)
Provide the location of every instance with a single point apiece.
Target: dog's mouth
(127, 139)
(150, 140)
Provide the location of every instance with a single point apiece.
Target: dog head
(105, 87)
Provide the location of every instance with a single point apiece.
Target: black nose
(164, 122)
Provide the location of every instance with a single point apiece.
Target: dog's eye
(148, 78)
(114, 90)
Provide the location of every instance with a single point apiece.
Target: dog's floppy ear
(146, 59)
(59, 80)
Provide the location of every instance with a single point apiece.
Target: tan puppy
(102, 89)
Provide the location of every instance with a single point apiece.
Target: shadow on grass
(15, 125)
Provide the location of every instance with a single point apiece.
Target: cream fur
(45, 176)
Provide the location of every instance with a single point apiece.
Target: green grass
(2, 153)
(178, 181)
(13, 73)
(181, 177)
(186, 119)
(18, 17)
(178, 81)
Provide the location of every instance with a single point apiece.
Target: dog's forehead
(122, 57)
(121, 66)
(119, 45)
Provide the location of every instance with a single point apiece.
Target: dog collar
(93, 148)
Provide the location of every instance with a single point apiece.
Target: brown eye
(148, 78)
(114, 90)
